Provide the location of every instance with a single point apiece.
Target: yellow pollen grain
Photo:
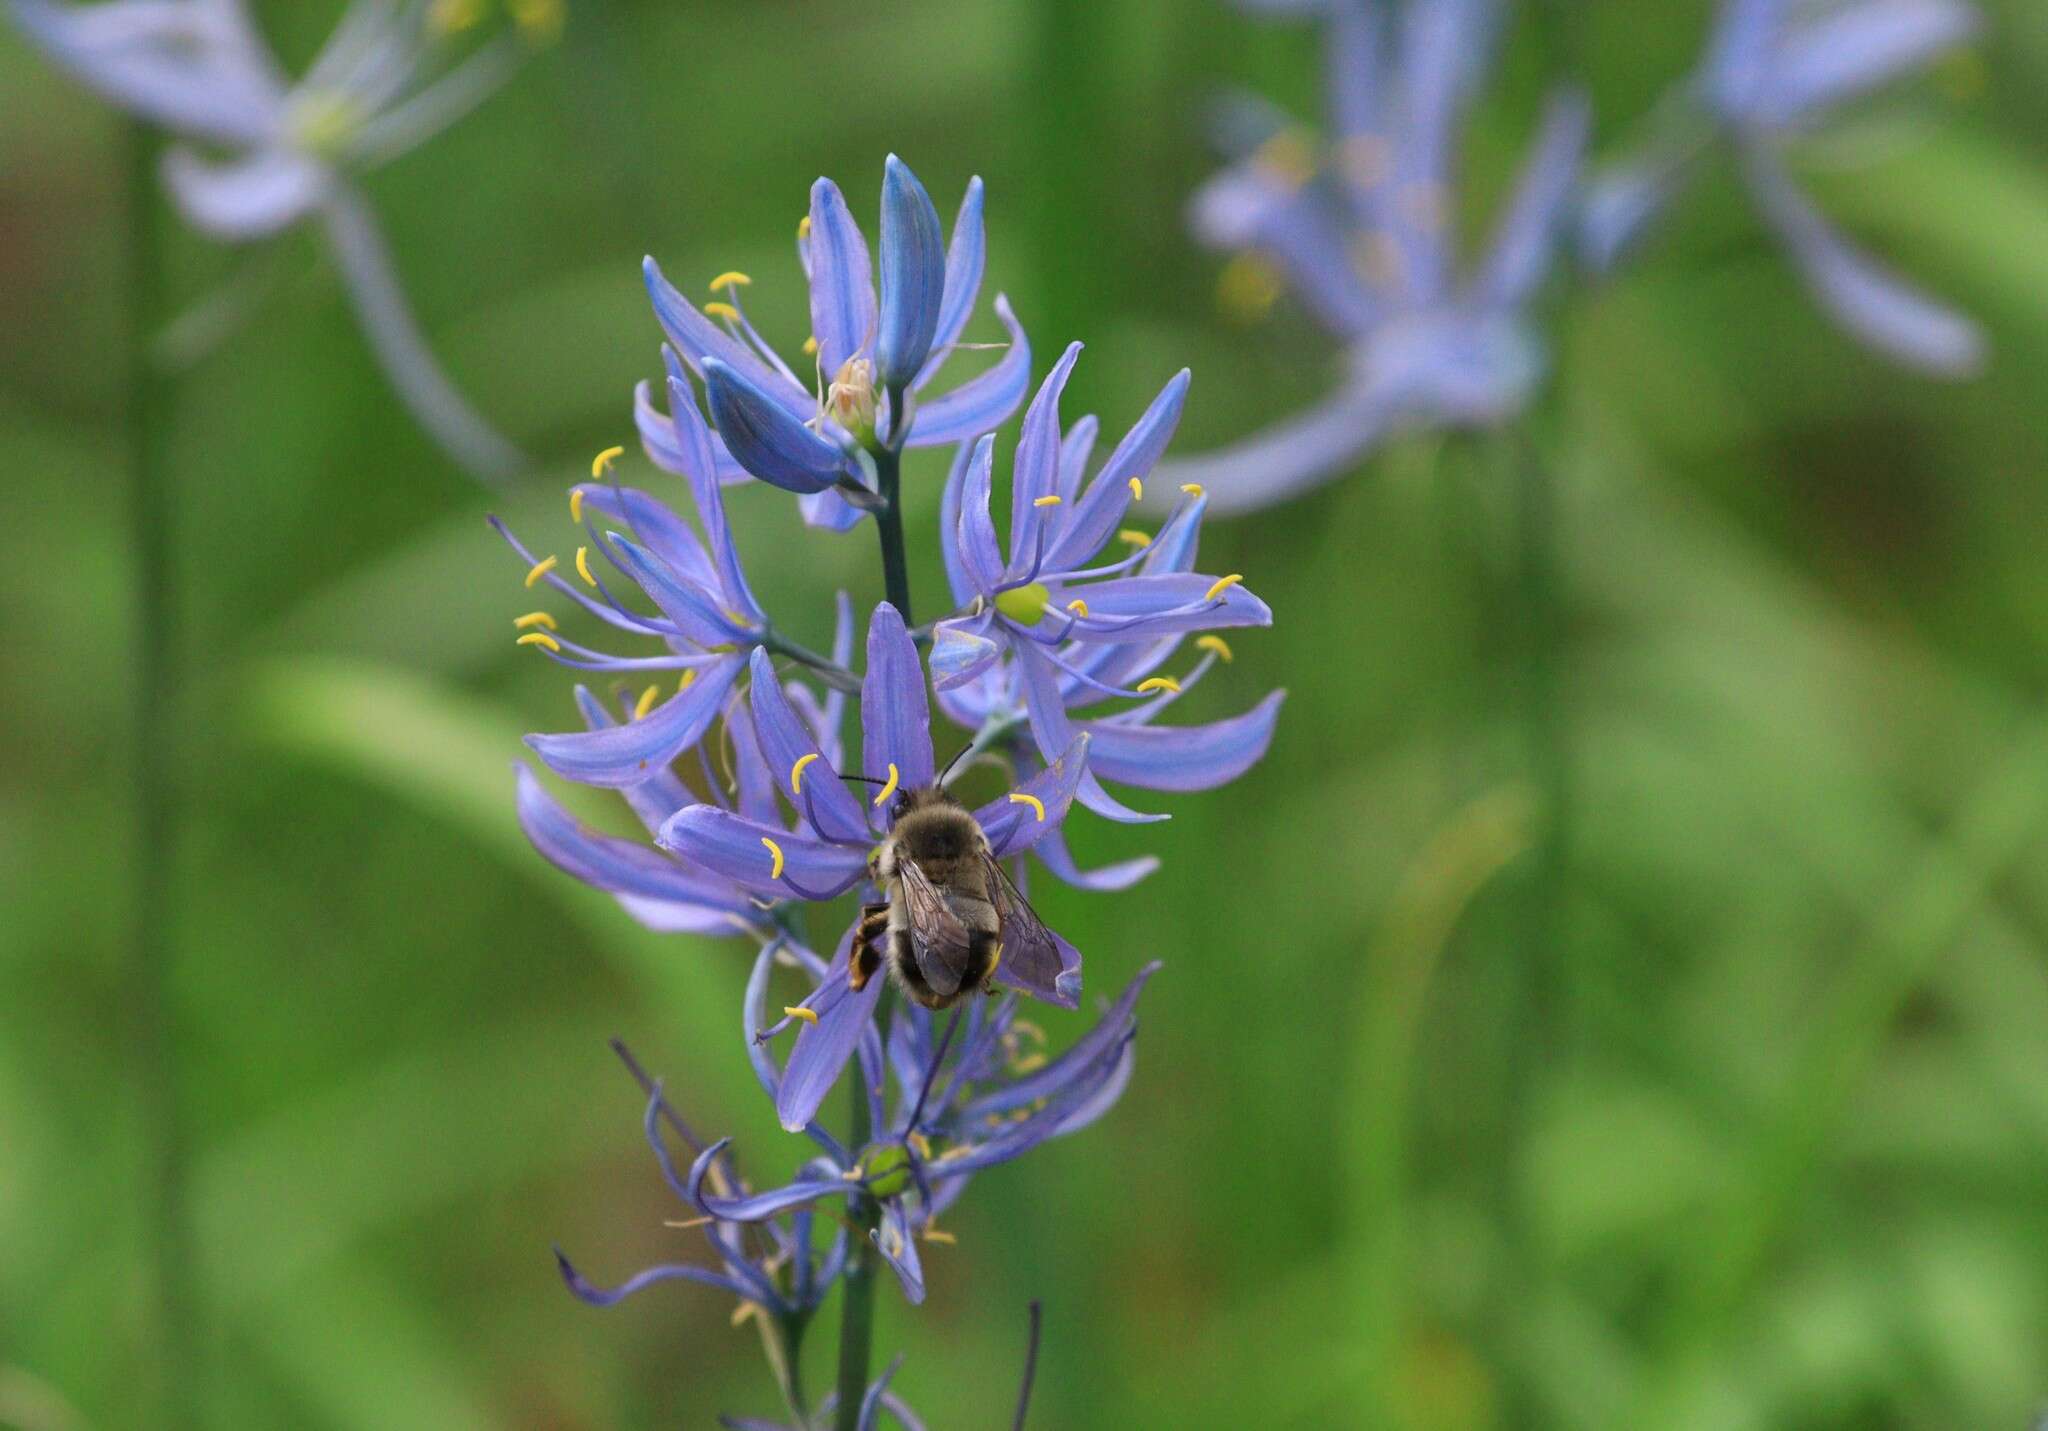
(689, 678)
(798, 1011)
(646, 702)
(810, 346)
(1193, 489)
(1052, 501)
(932, 1234)
(723, 310)
(1247, 288)
(602, 463)
(686, 1226)
(540, 638)
(583, 565)
(1223, 584)
(540, 569)
(1288, 157)
(743, 1311)
(731, 278)
(919, 1143)
(1134, 537)
(1137, 490)
(1018, 797)
(534, 618)
(775, 850)
(1029, 1063)
(1158, 683)
(796, 772)
(803, 227)
(1217, 644)
(1078, 606)
(889, 789)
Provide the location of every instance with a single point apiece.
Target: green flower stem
(889, 527)
(857, 1305)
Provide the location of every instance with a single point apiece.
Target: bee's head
(924, 797)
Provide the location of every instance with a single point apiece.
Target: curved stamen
(889, 788)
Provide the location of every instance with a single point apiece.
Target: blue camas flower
(1363, 228)
(1775, 71)
(1052, 627)
(259, 153)
(807, 427)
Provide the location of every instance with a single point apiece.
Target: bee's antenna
(864, 779)
(965, 751)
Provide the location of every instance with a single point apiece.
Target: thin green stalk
(857, 1296)
(889, 528)
(155, 692)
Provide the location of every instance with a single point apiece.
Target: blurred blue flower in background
(1363, 227)
(867, 362)
(260, 152)
(1775, 71)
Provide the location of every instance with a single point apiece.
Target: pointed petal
(1101, 510)
(951, 497)
(1034, 474)
(696, 338)
(913, 275)
(650, 519)
(1059, 1076)
(842, 280)
(1054, 731)
(696, 613)
(964, 261)
(1856, 49)
(766, 438)
(961, 652)
(1191, 757)
(701, 470)
(610, 1296)
(898, 1246)
(624, 754)
(824, 1048)
(249, 197)
(757, 1207)
(612, 864)
(1292, 456)
(1132, 608)
(736, 847)
(1052, 851)
(1865, 296)
(1014, 826)
(1075, 449)
(1520, 254)
(785, 740)
(981, 557)
(982, 403)
(895, 714)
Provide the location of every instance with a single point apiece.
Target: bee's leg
(863, 961)
(986, 955)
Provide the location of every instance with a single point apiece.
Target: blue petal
(895, 715)
(1866, 297)
(758, 1207)
(785, 739)
(960, 652)
(1623, 202)
(694, 610)
(1738, 55)
(829, 509)
(667, 535)
(842, 280)
(974, 534)
(1101, 510)
(733, 846)
(823, 1049)
(1075, 449)
(913, 275)
(1053, 732)
(249, 197)
(697, 338)
(610, 1296)
(1059, 1076)
(1292, 456)
(1052, 976)
(898, 1245)
(982, 403)
(625, 754)
(701, 470)
(1014, 826)
(1192, 757)
(1850, 51)
(657, 797)
(1052, 851)
(964, 260)
(612, 864)
(1522, 246)
(1132, 608)
(950, 499)
(1301, 227)
(766, 438)
(1035, 471)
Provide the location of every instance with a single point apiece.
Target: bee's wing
(937, 937)
(1030, 950)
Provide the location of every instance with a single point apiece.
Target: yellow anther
(810, 346)
(1288, 157)
(689, 678)
(576, 505)
(686, 1224)
(1029, 1063)
(1137, 490)
(889, 789)
(731, 278)
(803, 227)
(1052, 501)
(540, 20)
(1134, 538)
(1018, 797)
(723, 310)
(743, 1311)
(1247, 288)
(995, 960)
(775, 850)
(540, 638)
(1193, 489)
(583, 565)
(798, 1011)
(1078, 606)
(449, 17)
(796, 772)
(646, 702)
(1158, 683)
(919, 1143)
(1223, 584)
(1217, 644)
(534, 618)
(932, 1234)
(602, 463)
(540, 569)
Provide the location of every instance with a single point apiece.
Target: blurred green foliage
(1760, 1139)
